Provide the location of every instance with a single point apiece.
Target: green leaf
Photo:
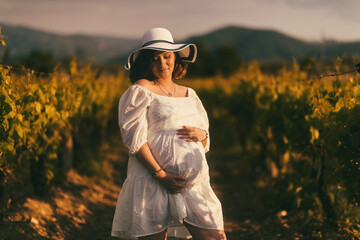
(37, 107)
(5, 124)
(50, 110)
(19, 131)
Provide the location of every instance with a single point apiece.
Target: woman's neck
(167, 83)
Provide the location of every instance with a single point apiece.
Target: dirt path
(245, 215)
(79, 208)
(82, 208)
(98, 224)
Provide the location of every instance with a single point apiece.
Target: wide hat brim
(187, 52)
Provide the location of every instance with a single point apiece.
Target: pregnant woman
(164, 125)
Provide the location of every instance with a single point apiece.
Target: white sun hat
(160, 39)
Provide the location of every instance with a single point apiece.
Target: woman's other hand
(172, 183)
(192, 134)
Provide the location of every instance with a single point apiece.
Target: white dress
(144, 207)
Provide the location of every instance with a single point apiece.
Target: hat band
(156, 41)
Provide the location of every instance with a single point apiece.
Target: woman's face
(162, 64)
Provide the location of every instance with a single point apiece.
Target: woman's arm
(171, 182)
(193, 134)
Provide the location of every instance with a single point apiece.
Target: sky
(311, 20)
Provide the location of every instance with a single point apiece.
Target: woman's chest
(174, 110)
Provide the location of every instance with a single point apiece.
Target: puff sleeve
(133, 106)
(204, 123)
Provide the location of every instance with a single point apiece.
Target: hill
(250, 44)
(257, 44)
(272, 45)
(21, 40)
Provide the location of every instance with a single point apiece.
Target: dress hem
(195, 225)
(128, 235)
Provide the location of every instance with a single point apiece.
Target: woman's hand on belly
(173, 183)
(193, 134)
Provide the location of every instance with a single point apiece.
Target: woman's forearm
(147, 159)
(171, 182)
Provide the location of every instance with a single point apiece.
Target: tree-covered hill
(22, 40)
(249, 44)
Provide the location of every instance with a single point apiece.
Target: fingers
(174, 183)
(186, 129)
(176, 188)
(177, 179)
(188, 133)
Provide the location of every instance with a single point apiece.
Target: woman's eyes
(155, 59)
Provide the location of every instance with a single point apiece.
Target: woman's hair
(141, 67)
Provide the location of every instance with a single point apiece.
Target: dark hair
(141, 67)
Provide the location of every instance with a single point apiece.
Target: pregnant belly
(181, 158)
(189, 164)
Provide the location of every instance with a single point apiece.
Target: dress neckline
(158, 95)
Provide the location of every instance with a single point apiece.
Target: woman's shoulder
(137, 90)
(144, 83)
